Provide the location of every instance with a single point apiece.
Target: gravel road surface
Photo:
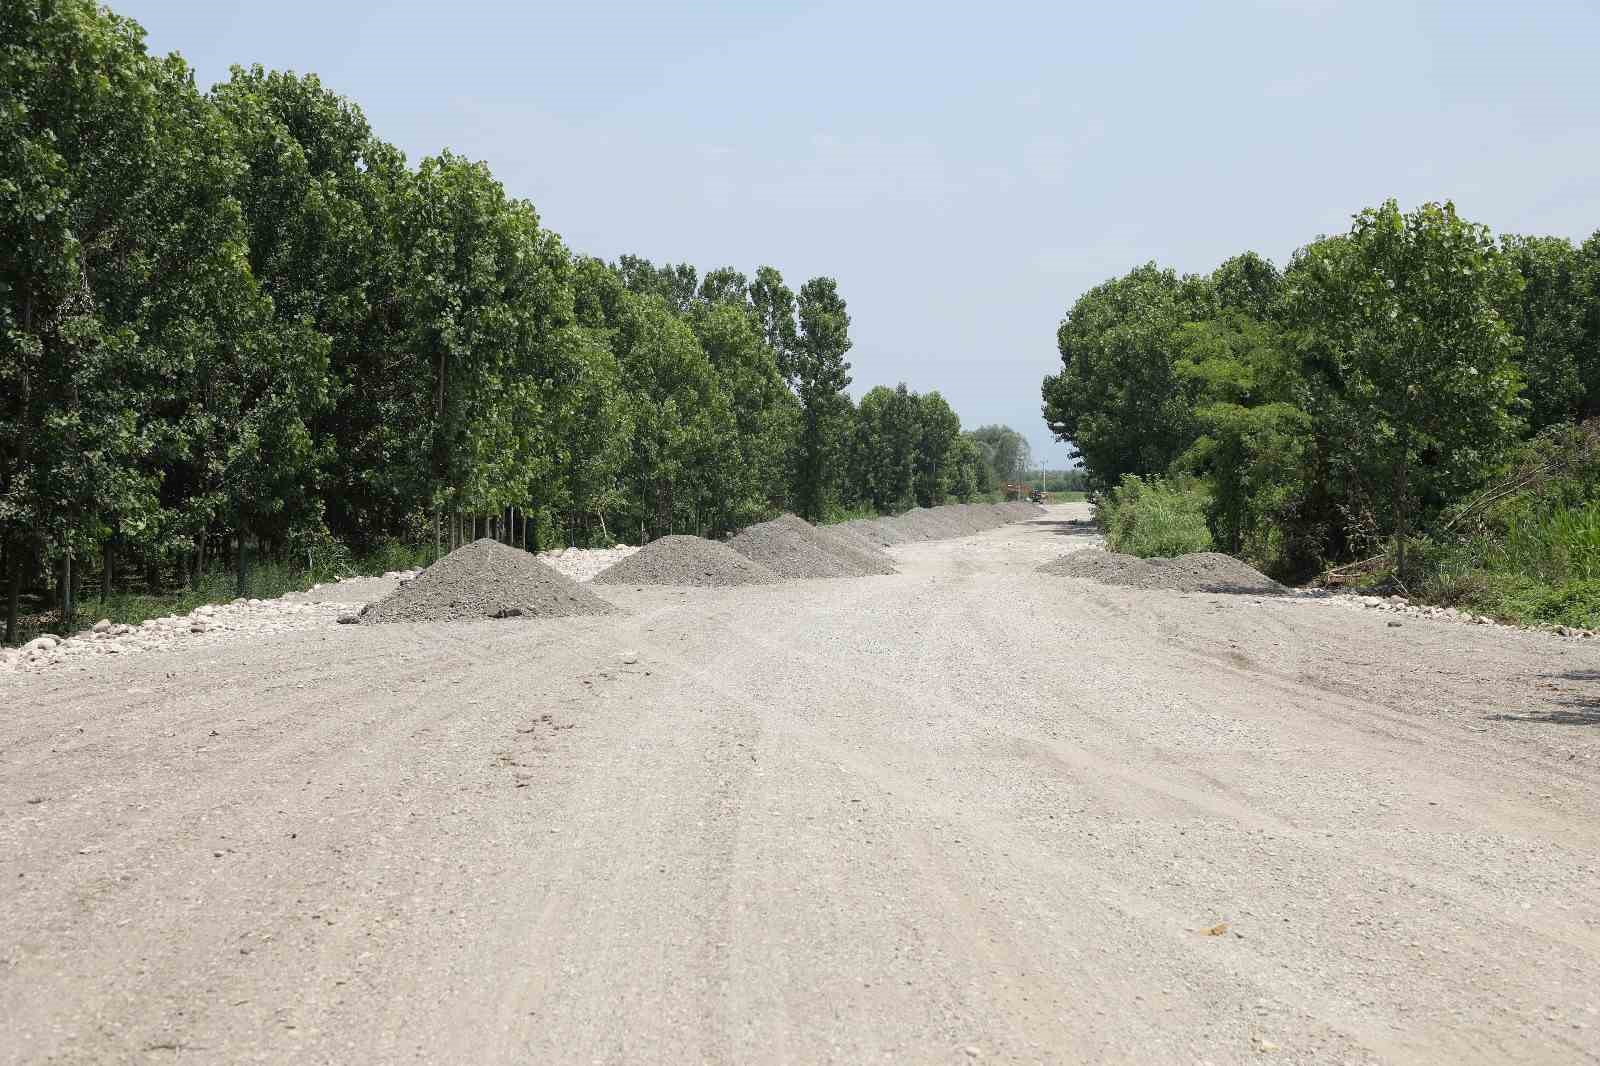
(966, 812)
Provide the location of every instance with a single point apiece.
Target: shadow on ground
(1574, 706)
(1066, 527)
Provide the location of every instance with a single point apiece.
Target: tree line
(240, 316)
(1347, 402)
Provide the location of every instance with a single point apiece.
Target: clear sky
(964, 170)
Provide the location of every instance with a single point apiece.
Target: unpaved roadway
(964, 813)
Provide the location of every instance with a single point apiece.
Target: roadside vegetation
(245, 344)
(1154, 518)
(1406, 406)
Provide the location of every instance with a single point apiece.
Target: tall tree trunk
(1402, 523)
(239, 564)
(66, 591)
(13, 590)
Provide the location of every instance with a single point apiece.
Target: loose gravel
(782, 548)
(862, 558)
(485, 579)
(688, 561)
(937, 523)
(1221, 831)
(843, 541)
(1198, 572)
(582, 564)
(205, 625)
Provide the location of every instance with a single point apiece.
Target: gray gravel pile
(485, 579)
(1198, 572)
(910, 528)
(690, 561)
(939, 523)
(964, 518)
(848, 545)
(876, 531)
(788, 551)
(969, 519)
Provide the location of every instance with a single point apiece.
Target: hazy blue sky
(965, 171)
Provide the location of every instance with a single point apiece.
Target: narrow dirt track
(963, 812)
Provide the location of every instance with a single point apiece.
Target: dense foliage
(1155, 518)
(239, 318)
(1353, 402)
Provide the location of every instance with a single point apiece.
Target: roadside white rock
(582, 564)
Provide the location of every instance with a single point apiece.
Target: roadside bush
(1154, 517)
(1529, 550)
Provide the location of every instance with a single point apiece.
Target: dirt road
(961, 813)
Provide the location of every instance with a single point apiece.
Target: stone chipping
(782, 548)
(1196, 572)
(485, 579)
(686, 561)
(838, 542)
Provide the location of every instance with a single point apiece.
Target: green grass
(1152, 517)
(837, 514)
(1540, 565)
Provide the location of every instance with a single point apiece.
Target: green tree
(684, 441)
(592, 440)
(1400, 318)
(1547, 314)
(490, 306)
(821, 375)
(766, 414)
(1253, 437)
(141, 361)
(1117, 399)
(675, 284)
(323, 199)
(1587, 283)
(884, 441)
(774, 306)
(725, 285)
(938, 429)
(967, 469)
(1006, 453)
(1247, 284)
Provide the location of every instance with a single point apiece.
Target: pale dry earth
(964, 812)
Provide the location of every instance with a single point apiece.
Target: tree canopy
(1353, 397)
(240, 317)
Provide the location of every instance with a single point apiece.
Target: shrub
(1154, 517)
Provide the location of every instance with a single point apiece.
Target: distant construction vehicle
(1021, 490)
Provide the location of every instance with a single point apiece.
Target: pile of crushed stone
(939, 523)
(782, 547)
(842, 540)
(485, 579)
(691, 561)
(842, 544)
(1198, 572)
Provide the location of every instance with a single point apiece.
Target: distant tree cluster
(1345, 401)
(240, 315)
